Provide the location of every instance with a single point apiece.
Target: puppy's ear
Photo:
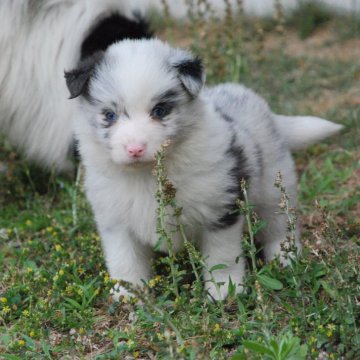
(77, 80)
(190, 72)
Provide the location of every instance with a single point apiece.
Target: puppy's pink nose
(136, 150)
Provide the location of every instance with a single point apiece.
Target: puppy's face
(137, 95)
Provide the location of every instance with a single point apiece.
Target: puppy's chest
(139, 208)
(144, 213)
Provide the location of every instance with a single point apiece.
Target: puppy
(38, 40)
(136, 96)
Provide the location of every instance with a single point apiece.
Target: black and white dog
(38, 40)
(139, 94)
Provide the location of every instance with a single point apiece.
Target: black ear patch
(192, 67)
(191, 74)
(77, 80)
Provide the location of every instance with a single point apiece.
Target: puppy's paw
(287, 257)
(220, 291)
(285, 260)
(282, 250)
(217, 293)
(119, 293)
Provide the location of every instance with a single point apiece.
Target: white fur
(213, 132)
(302, 131)
(38, 41)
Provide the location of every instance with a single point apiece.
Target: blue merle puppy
(140, 94)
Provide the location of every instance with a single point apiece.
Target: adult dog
(38, 40)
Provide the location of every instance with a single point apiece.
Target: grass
(54, 288)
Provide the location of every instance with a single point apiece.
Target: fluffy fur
(138, 95)
(38, 40)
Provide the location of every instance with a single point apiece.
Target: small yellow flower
(331, 356)
(61, 272)
(154, 281)
(49, 229)
(130, 343)
(181, 349)
(6, 309)
(229, 335)
(21, 343)
(136, 354)
(29, 270)
(216, 328)
(125, 299)
(80, 292)
(3, 300)
(32, 334)
(28, 222)
(329, 333)
(57, 247)
(160, 336)
(26, 313)
(81, 331)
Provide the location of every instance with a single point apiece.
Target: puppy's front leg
(126, 258)
(274, 237)
(223, 246)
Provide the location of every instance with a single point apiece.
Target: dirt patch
(323, 44)
(354, 180)
(330, 99)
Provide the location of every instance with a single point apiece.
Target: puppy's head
(137, 95)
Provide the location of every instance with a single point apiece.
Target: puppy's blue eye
(110, 116)
(160, 111)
